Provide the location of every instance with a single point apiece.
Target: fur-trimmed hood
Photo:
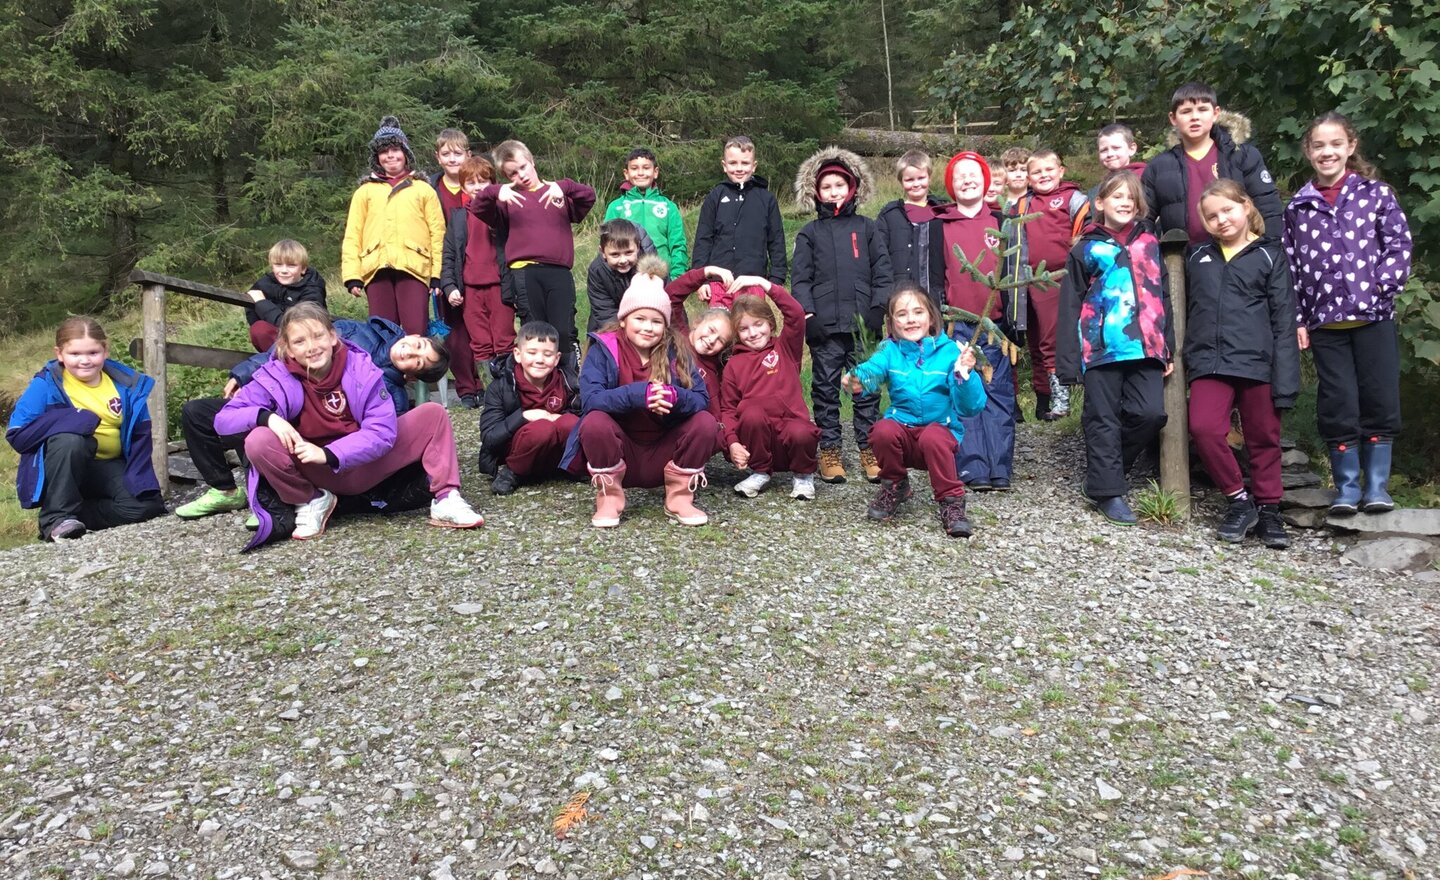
(1237, 124)
(809, 171)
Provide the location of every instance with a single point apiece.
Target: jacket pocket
(420, 249)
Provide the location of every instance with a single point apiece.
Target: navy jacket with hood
(1165, 179)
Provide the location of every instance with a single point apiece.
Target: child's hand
(255, 295)
(719, 273)
(739, 455)
(308, 453)
(657, 401)
(553, 196)
(357, 290)
(534, 415)
(965, 362)
(455, 298)
(1169, 368)
(510, 195)
(289, 437)
(852, 383)
(1302, 336)
(231, 387)
(744, 281)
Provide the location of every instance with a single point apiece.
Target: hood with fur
(1238, 124)
(807, 176)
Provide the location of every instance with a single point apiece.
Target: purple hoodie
(1350, 259)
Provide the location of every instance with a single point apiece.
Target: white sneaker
(453, 512)
(753, 485)
(804, 487)
(311, 517)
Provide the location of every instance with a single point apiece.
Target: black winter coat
(604, 286)
(280, 297)
(1164, 182)
(915, 258)
(1240, 318)
(841, 270)
(740, 229)
(503, 414)
(452, 265)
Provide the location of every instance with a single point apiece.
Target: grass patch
(1161, 506)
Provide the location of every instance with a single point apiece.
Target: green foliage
(1157, 505)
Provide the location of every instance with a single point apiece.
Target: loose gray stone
(647, 841)
(467, 609)
(614, 694)
(1294, 458)
(124, 868)
(1107, 791)
(1299, 479)
(1310, 496)
(1392, 554)
(1306, 518)
(300, 859)
(1013, 854)
(455, 755)
(1406, 521)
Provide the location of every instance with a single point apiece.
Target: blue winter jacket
(600, 389)
(374, 336)
(44, 410)
(924, 388)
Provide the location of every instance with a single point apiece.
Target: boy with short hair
(452, 148)
(740, 227)
(842, 273)
(1016, 162)
(1063, 208)
(643, 204)
(473, 275)
(1211, 145)
(622, 243)
(912, 234)
(530, 409)
(1115, 147)
(289, 281)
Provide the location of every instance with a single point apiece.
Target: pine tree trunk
(124, 235)
(219, 189)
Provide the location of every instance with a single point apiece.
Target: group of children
(325, 419)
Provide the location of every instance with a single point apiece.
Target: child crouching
(530, 410)
(932, 387)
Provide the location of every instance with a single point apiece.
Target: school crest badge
(114, 405)
(991, 241)
(554, 404)
(1057, 201)
(335, 403)
(771, 360)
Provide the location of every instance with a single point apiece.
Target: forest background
(185, 137)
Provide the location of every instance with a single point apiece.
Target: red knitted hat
(956, 160)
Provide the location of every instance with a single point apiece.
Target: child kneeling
(932, 387)
(530, 410)
(643, 408)
(321, 423)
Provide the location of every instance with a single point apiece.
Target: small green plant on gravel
(1334, 777)
(1352, 836)
(1158, 505)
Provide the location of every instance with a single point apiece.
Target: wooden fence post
(152, 311)
(1175, 438)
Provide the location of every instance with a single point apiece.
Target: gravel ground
(790, 691)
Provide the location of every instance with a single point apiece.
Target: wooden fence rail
(156, 353)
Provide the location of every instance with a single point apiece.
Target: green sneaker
(212, 502)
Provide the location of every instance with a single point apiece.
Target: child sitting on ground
(932, 387)
(767, 427)
(318, 422)
(289, 281)
(530, 410)
(82, 428)
(644, 205)
(643, 408)
(1114, 335)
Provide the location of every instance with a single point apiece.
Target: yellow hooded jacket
(400, 227)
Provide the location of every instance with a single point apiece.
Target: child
(530, 410)
(767, 427)
(995, 192)
(1206, 151)
(987, 457)
(842, 273)
(540, 245)
(1349, 248)
(289, 281)
(621, 245)
(472, 276)
(711, 338)
(401, 359)
(1115, 146)
(740, 226)
(321, 423)
(452, 148)
(911, 233)
(1016, 162)
(394, 235)
(1063, 208)
(1240, 353)
(82, 428)
(643, 409)
(932, 387)
(1115, 336)
(643, 204)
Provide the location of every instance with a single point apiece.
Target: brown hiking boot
(870, 465)
(832, 470)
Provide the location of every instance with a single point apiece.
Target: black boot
(1271, 528)
(1239, 521)
(1042, 407)
(1375, 464)
(891, 493)
(952, 517)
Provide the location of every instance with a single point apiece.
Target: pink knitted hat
(645, 292)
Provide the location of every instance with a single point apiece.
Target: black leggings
(80, 486)
(1359, 382)
(547, 293)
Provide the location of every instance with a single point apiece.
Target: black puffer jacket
(452, 264)
(740, 229)
(842, 268)
(917, 258)
(310, 287)
(1240, 318)
(604, 286)
(503, 414)
(1164, 180)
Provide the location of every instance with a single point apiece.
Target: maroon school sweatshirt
(771, 373)
(968, 233)
(538, 233)
(1049, 234)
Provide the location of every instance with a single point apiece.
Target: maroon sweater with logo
(771, 374)
(538, 233)
(326, 415)
(551, 397)
(1198, 175)
(1049, 235)
(968, 233)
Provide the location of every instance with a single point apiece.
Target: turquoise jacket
(659, 217)
(924, 388)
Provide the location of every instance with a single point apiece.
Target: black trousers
(207, 448)
(1124, 412)
(80, 486)
(1359, 390)
(830, 357)
(547, 293)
